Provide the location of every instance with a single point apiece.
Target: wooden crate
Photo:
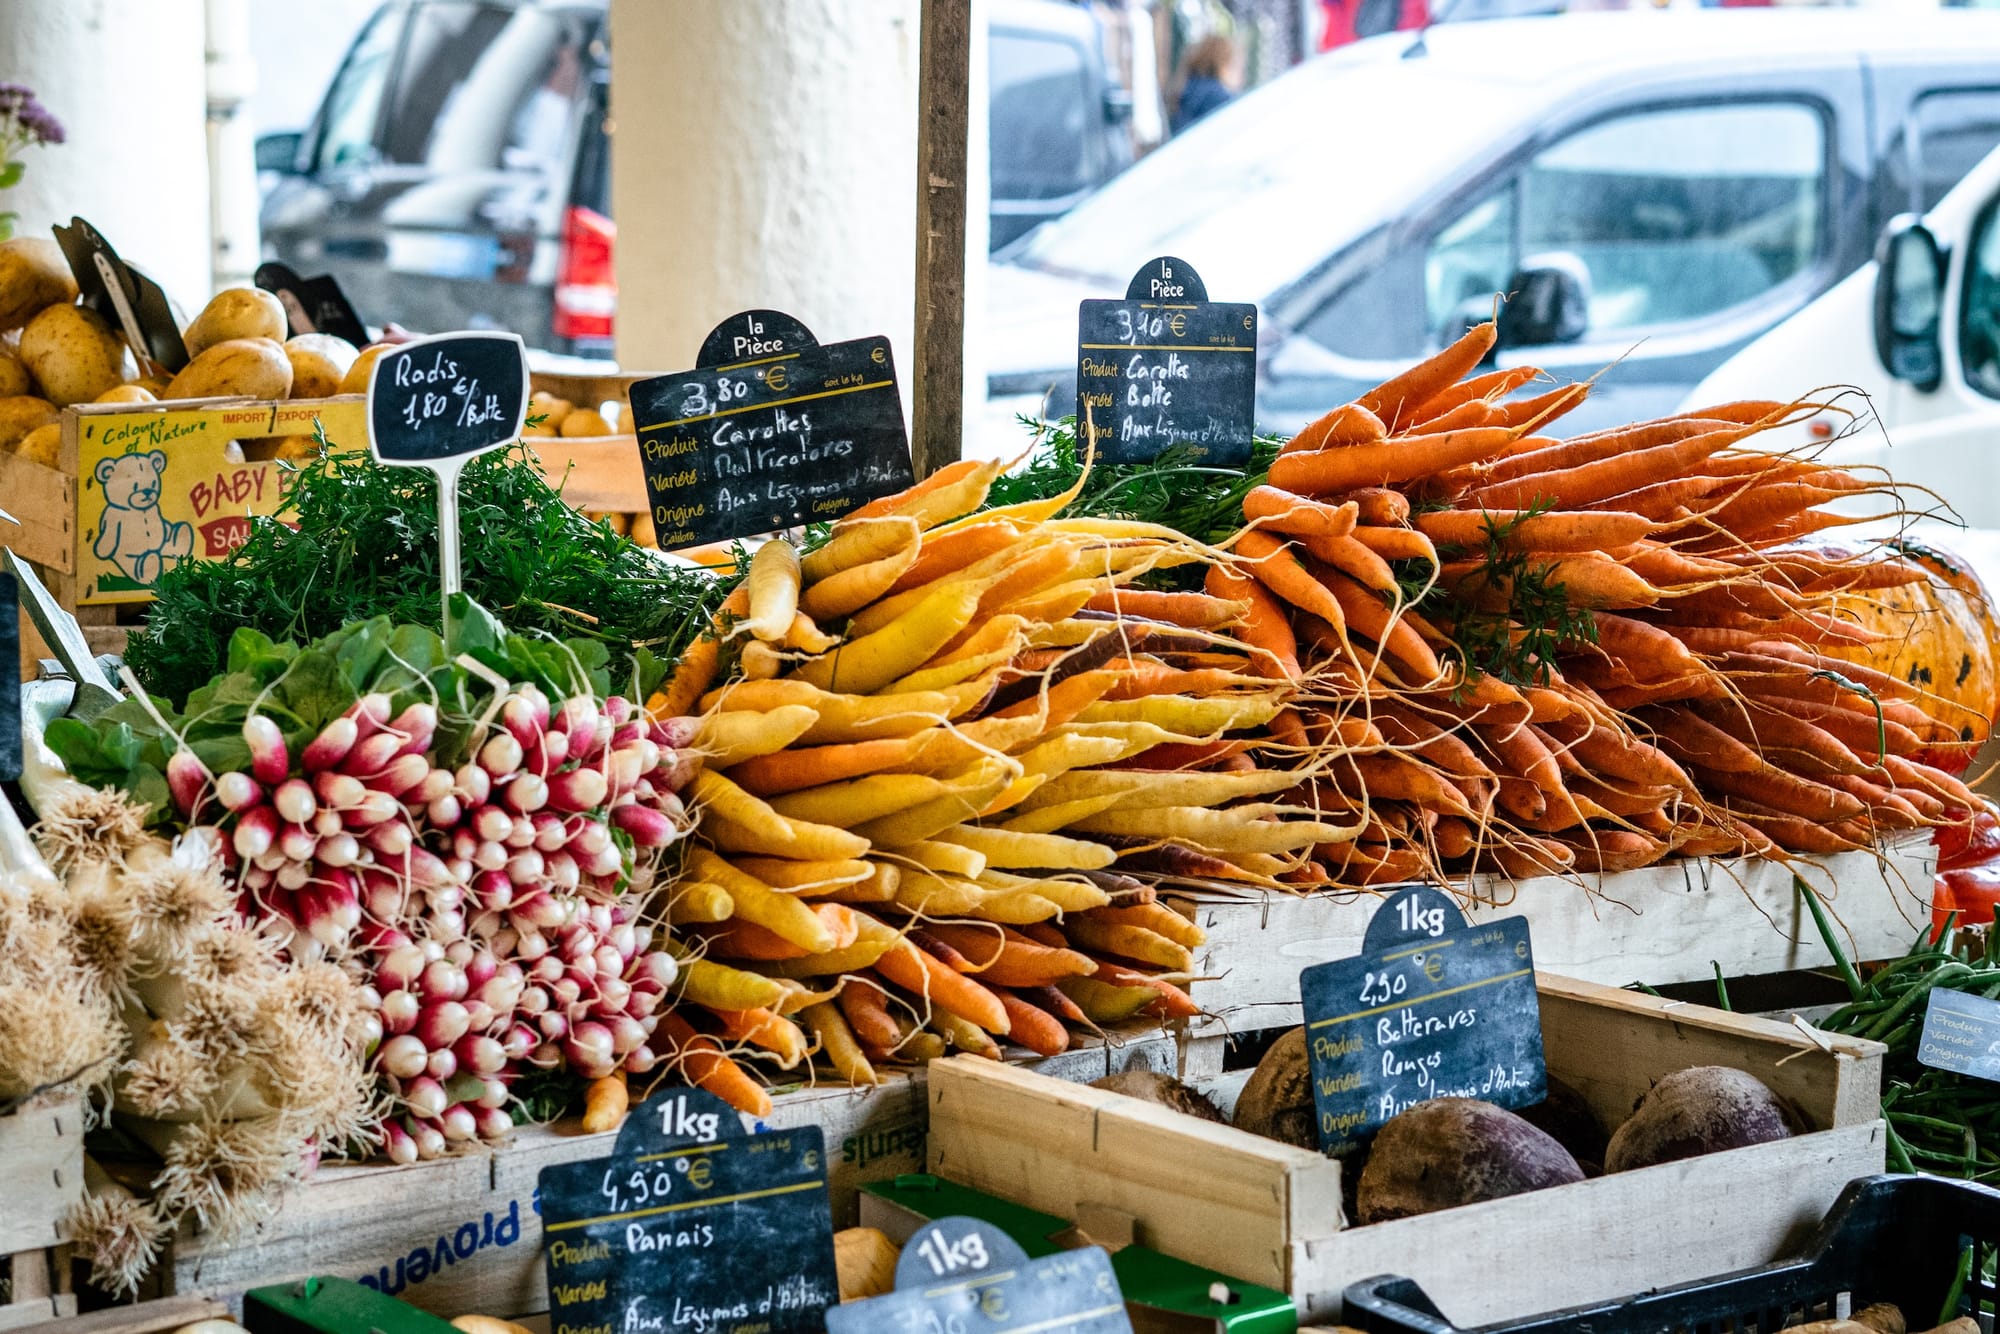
(160, 1317)
(200, 459)
(1272, 1214)
(1673, 922)
(601, 472)
(41, 1176)
(464, 1234)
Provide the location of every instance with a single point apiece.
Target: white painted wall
(126, 78)
(764, 154)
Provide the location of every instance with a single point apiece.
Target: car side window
(1469, 260)
(1979, 311)
(1040, 91)
(487, 87)
(353, 109)
(1680, 213)
(1944, 136)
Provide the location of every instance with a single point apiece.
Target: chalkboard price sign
(448, 397)
(691, 1224)
(1961, 1034)
(1431, 1008)
(124, 296)
(1167, 367)
(965, 1276)
(312, 305)
(769, 431)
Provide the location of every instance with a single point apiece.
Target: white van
(1917, 330)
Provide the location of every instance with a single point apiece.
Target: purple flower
(40, 123)
(35, 122)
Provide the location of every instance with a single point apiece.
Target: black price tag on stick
(312, 305)
(965, 1274)
(771, 430)
(1431, 1008)
(124, 296)
(1166, 366)
(436, 402)
(692, 1224)
(1961, 1034)
(449, 397)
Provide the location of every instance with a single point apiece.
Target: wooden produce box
(141, 485)
(599, 473)
(41, 1176)
(463, 1234)
(1272, 1214)
(1674, 922)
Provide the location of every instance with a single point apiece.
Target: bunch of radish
(485, 905)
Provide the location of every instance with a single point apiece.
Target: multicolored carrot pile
(1580, 653)
(934, 736)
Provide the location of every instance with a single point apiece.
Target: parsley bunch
(357, 540)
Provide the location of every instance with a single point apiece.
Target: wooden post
(938, 372)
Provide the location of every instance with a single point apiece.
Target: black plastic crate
(1901, 1239)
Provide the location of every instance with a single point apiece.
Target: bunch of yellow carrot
(926, 743)
(1690, 709)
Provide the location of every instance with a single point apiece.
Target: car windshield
(1256, 194)
(486, 87)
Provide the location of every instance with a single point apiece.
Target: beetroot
(1451, 1151)
(1701, 1110)
(1277, 1102)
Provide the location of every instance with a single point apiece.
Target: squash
(1939, 635)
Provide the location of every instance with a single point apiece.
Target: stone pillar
(763, 154)
(128, 82)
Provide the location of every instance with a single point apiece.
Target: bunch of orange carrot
(1685, 706)
(927, 742)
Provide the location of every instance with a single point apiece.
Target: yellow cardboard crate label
(156, 488)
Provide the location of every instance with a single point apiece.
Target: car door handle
(356, 247)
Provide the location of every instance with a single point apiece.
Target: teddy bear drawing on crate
(132, 534)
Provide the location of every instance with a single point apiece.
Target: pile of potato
(550, 416)
(55, 353)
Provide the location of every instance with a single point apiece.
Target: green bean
(1847, 973)
(1909, 999)
(1899, 1156)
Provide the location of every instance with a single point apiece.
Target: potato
(319, 363)
(584, 421)
(486, 1324)
(283, 448)
(14, 377)
(642, 530)
(550, 409)
(42, 445)
(1451, 1151)
(73, 353)
(33, 276)
(1277, 1102)
(252, 367)
(356, 379)
(1701, 1110)
(156, 385)
(22, 413)
(128, 393)
(237, 312)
